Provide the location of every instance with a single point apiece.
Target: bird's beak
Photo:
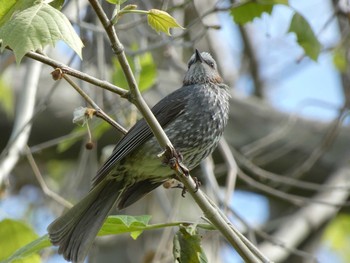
(198, 56)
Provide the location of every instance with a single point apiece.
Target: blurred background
(288, 129)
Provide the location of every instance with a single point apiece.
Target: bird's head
(201, 69)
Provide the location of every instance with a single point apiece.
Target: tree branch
(299, 226)
(22, 125)
(78, 74)
(98, 111)
(42, 182)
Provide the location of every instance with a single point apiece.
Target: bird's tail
(75, 231)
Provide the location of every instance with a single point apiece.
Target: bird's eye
(211, 64)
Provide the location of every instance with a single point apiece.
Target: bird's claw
(184, 189)
(198, 183)
(174, 159)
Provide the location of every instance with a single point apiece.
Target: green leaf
(57, 4)
(118, 77)
(35, 27)
(187, 246)
(161, 21)
(246, 12)
(148, 71)
(29, 251)
(145, 76)
(134, 225)
(14, 235)
(339, 59)
(6, 98)
(113, 225)
(305, 36)
(125, 224)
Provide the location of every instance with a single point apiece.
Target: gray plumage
(193, 117)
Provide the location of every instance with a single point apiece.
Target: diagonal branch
(98, 112)
(246, 250)
(78, 74)
(42, 182)
(310, 217)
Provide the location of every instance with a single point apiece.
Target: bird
(193, 117)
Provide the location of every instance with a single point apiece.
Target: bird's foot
(184, 189)
(174, 159)
(173, 183)
(197, 182)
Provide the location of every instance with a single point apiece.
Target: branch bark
(22, 125)
(309, 218)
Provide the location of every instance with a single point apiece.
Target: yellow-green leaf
(145, 76)
(337, 236)
(29, 251)
(161, 21)
(14, 235)
(148, 72)
(6, 98)
(339, 59)
(8, 7)
(134, 225)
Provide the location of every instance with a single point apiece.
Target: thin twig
(98, 111)
(257, 145)
(280, 179)
(294, 199)
(252, 232)
(231, 171)
(317, 153)
(42, 183)
(297, 228)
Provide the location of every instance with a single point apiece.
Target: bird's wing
(165, 111)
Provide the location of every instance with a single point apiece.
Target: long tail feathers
(75, 231)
